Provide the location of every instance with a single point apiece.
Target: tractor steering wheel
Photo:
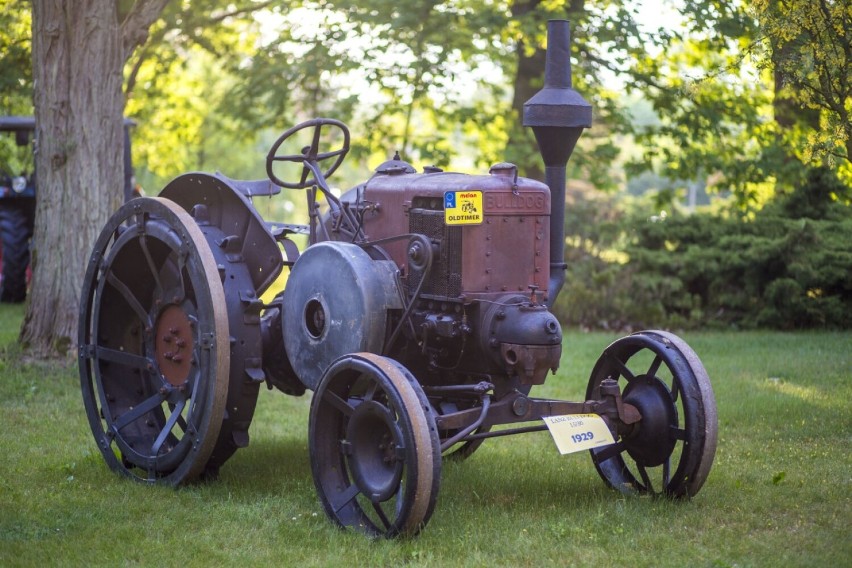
(310, 157)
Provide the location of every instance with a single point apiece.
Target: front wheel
(670, 450)
(375, 453)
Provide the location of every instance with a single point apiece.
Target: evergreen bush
(787, 267)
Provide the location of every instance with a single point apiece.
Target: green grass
(778, 495)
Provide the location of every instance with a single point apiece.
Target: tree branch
(134, 28)
(242, 11)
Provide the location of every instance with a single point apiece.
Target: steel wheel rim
(400, 498)
(632, 465)
(154, 417)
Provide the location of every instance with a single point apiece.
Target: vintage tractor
(418, 315)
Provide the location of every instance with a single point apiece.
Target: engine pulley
(336, 302)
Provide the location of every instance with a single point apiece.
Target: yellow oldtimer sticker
(577, 432)
(463, 208)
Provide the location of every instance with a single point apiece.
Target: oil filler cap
(504, 169)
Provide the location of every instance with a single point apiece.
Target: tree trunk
(521, 147)
(77, 68)
(79, 51)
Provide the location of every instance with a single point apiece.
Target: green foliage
(808, 46)
(176, 89)
(751, 95)
(16, 76)
(787, 267)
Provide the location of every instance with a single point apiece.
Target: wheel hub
(651, 441)
(373, 438)
(173, 344)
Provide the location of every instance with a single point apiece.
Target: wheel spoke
(675, 390)
(677, 433)
(179, 295)
(138, 411)
(667, 472)
(343, 498)
(371, 391)
(121, 357)
(609, 452)
(131, 300)
(339, 403)
(143, 244)
(622, 368)
(655, 366)
(382, 516)
(181, 422)
(170, 423)
(645, 478)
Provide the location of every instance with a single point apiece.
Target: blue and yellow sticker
(463, 208)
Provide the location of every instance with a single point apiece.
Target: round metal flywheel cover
(336, 303)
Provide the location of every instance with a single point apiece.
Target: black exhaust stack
(557, 115)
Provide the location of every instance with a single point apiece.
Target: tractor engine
(473, 257)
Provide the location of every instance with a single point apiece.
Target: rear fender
(247, 237)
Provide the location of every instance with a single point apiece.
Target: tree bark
(79, 51)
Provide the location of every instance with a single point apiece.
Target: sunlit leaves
(15, 67)
(810, 46)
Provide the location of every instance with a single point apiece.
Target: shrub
(788, 267)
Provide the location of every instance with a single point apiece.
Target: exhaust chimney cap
(558, 104)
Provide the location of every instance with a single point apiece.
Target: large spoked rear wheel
(670, 450)
(153, 339)
(375, 454)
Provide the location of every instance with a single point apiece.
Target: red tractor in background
(18, 201)
(17, 206)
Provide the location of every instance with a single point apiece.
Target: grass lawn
(779, 494)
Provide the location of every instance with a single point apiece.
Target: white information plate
(577, 432)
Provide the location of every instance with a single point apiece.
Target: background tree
(79, 51)
(809, 46)
(16, 76)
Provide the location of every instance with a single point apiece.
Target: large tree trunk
(79, 106)
(79, 50)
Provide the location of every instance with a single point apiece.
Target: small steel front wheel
(670, 450)
(375, 452)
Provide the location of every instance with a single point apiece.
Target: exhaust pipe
(557, 115)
